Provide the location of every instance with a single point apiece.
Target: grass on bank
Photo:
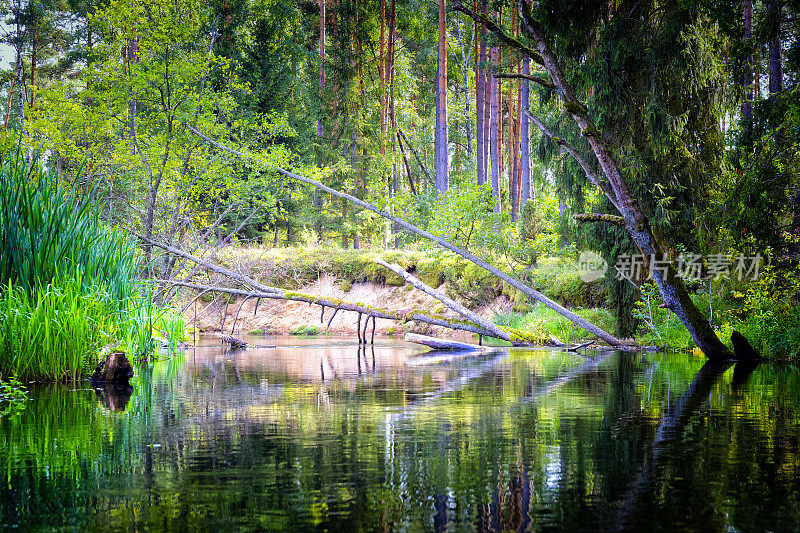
(543, 321)
(68, 283)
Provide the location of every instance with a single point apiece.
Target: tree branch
(591, 175)
(600, 217)
(541, 81)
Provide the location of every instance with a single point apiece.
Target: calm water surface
(319, 435)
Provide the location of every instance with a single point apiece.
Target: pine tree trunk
(525, 145)
(317, 197)
(392, 112)
(480, 103)
(774, 45)
(512, 150)
(382, 68)
(494, 148)
(440, 138)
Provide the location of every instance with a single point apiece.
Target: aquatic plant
(48, 230)
(68, 281)
(53, 331)
(13, 396)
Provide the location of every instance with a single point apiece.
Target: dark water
(323, 436)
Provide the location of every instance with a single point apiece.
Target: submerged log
(115, 368)
(444, 344)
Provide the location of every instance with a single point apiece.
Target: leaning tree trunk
(673, 292)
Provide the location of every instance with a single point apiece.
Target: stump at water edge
(115, 369)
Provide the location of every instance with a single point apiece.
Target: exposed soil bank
(281, 317)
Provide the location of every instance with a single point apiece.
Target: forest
(656, 141)
(231, 231)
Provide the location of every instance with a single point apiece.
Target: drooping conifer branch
(591, 175)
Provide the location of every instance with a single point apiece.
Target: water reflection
(114, 396)
(329, 435)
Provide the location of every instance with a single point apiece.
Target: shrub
(305, 330)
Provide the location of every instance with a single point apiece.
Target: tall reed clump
(68, 281)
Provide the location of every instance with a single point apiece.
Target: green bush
(305, 330)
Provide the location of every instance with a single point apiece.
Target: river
(319, 434)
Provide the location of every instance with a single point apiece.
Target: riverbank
(354, 276)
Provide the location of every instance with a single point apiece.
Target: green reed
(68, 281)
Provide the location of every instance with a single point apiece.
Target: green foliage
(68, 281)
(660, 326)
(305, 330)
(769, 313)
(13, 396)
(55, 331)
(542, 321)
(173, 327)
(49, 231)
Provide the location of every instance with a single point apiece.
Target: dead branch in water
(517, 284)
(364, 309)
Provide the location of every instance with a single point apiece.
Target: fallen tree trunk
(519, 338)
(517, 284)
(444, 344)
(452, 304)
(377, 312)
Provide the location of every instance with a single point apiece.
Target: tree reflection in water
(515, 440)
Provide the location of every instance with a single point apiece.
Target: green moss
(575, 108)
(591, 131)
